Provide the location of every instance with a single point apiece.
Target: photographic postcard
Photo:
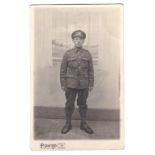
(77, 77)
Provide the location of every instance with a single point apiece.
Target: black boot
(84, 126)
(67, 127)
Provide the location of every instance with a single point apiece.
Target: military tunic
(77, 69)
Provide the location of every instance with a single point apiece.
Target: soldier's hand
(63, 88)
(90, 88)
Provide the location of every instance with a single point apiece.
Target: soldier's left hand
(63, 88)
(90, 88)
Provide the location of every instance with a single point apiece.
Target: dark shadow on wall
(92, 114)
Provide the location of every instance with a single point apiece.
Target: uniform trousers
(82, 95)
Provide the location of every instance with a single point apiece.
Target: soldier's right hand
(63, 88)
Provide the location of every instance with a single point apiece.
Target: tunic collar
(77, 49)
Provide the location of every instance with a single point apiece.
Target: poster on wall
(76, 77)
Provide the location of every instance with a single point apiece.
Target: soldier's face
(78, 42)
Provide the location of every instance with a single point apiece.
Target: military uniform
(76, 76)
(77, 69)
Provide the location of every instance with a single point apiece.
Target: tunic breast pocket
(72, 63)
(85, 62)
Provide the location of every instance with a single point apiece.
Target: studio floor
(50, 129)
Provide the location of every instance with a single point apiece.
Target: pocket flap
(70, 76)
(85, 59)
(71, 59)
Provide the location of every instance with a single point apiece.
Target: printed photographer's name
(53, 146)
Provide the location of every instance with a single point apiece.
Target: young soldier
(77, 78)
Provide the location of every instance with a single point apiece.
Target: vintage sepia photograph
(77, 77)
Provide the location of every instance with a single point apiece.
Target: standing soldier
(77, 78)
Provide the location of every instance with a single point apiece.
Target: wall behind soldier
(52, 30)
